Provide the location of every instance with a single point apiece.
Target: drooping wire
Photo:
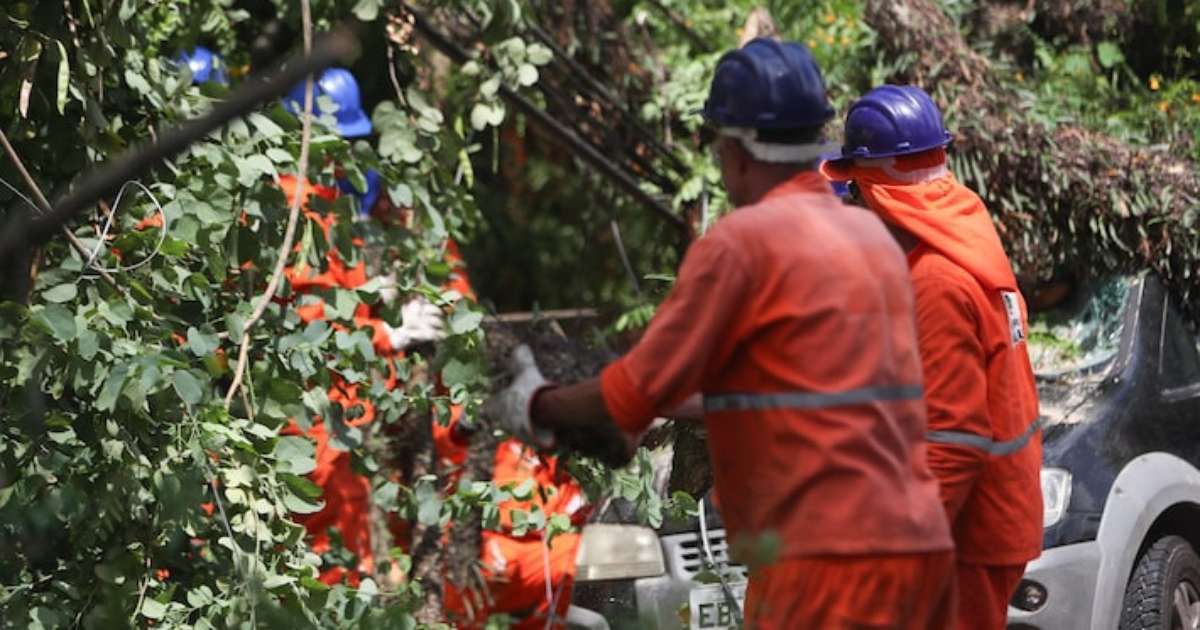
(100, 245)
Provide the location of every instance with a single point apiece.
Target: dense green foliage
(130, 492)
(115, 426)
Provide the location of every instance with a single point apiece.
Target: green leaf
(112, 388)
(64, 77)
(1109, 54)
(496, 115)
(128, 9)
(458, 372)
(235, 324)
(479, 117)
(279, 156)
(260, 165)
(366, 10)
(277, 580)
(61, 293)
(295, 454)
(429, 511)
(463, 321)
(59, 320)
(88, 344)
(201, 596)
(152, 609)
(344, 303)
(201, 344)
(301, 486)
(538, 54)
(527, 75)
(265, 126)
(524, 491)
(187, 386)
(138, 83)
(240, 477)
(490, 87)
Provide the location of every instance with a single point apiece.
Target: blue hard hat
(768, 84)
(367, 198)
(205, 65)
(893, 120)
(339, 85)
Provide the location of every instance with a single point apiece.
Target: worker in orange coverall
(345, 493)
(971, 321)
(515, 567)
(793, 316)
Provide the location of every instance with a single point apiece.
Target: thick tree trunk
(1066, 198)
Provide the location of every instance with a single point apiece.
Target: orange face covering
(920, 195)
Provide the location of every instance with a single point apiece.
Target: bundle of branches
(1067, 199)
(1073, 20)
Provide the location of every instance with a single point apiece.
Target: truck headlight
(1056, 494)
(613, 552)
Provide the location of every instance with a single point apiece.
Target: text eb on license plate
(711, 608)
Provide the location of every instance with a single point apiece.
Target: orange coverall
(979, 387)
(794, 318)
(515, 567)
(346, 494)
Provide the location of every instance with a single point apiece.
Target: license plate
(711, 609)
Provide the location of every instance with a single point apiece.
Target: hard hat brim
(837, 170)
(357, 126)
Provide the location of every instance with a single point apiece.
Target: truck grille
(686, 553)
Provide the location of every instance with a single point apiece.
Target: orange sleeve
(458, 280)
(693, 333)
(954, 365)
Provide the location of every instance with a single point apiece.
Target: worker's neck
(767, 177)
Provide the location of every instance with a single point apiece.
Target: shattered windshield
(1080, 337)
(1072, 347)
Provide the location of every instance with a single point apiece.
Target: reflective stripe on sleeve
(1007, 447)
(811, 400)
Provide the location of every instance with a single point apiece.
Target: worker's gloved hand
(422, 323)
(510, 407)
(388, 291)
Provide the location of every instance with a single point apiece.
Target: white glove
(510, 407)
(387, 288)
(422, 323)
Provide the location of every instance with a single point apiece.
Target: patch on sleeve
(1012, 306)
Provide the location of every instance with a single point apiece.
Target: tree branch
(289, 236)
(44, 206)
